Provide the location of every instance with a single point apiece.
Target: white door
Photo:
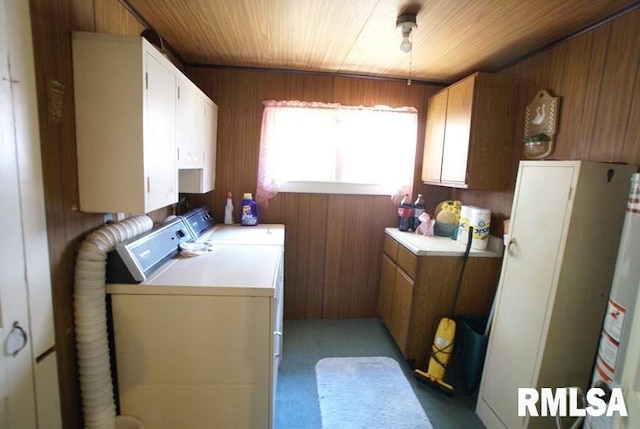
(188, 134)
(160, 151)
(209, 142)
(29, 396)
(631, 375)
(16, 374)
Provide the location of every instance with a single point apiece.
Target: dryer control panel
(134, 260)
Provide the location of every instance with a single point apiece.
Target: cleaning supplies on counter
(479, 219)
(249, 215)
(447, 216)
(228, 210)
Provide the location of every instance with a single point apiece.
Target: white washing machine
(198, 339)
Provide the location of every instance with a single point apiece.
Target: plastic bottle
(228, 210)
(405, 214)
(418, 208)
(249, 215)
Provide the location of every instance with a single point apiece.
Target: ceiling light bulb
(405, 46)
(406, 23)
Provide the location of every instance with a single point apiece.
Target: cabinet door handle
(17, 340)
(512, 242)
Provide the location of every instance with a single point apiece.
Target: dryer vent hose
(92, 345)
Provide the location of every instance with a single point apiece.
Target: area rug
(367, 393)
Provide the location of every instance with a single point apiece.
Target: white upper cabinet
(125, 101)
(130, 125)
(159, 143)
(197, 131)
(190, 120)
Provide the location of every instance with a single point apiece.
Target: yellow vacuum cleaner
(443, 341)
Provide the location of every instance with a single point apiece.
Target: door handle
(512, 243)
(16, 340)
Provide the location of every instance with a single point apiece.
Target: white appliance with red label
(622, 298)
(615, 340)
(630, 363)
(630, 377)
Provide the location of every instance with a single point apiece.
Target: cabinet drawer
(391, 248)
(408, 262)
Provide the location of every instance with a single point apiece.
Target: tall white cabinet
(566, 221)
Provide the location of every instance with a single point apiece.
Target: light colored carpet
(367, 392)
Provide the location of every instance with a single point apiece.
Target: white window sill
(334, 188)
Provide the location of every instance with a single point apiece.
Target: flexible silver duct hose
(92, 346)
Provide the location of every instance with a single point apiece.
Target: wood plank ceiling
(453, 37)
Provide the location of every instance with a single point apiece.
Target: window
(331, 148)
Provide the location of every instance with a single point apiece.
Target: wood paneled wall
(52, 23)
(333, 242)
(597, 77)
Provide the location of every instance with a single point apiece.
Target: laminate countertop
(421, 245)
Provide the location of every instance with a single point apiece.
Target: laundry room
(280, 196)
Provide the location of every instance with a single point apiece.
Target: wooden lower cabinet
(415, 290)
(403, 289)
(385, 294)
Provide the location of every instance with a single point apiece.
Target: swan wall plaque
(540, 126)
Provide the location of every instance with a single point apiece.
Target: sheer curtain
(348, 147)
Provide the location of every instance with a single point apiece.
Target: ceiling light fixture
(406, 23)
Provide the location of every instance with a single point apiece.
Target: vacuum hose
(92, 346)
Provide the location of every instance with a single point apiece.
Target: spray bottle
(228, 210)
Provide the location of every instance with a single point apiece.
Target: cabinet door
(401, 309)
(457, 132)
(527, 286)
(209, 136)
(434, 137)
(190, 122)
(385, 294)
(159, 135)
(197, 151)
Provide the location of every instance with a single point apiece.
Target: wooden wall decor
(540, 125)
